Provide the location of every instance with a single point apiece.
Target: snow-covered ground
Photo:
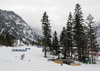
(34, 61)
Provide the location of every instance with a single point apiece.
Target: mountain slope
(13, 24)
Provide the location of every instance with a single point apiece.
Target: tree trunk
(45, 52)
(92, 57)
(71, 52)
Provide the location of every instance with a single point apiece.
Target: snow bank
(34, 61)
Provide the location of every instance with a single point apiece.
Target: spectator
(22, 56)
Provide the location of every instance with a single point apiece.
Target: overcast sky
(58, 10)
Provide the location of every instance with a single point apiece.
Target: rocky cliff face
(13, 24)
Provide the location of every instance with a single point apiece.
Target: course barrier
(27, 48)
(21, 50)
(75, 64)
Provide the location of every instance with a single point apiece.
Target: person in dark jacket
(22, 56)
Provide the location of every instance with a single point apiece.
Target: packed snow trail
(34, 61)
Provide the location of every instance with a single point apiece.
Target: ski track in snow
(10, 61)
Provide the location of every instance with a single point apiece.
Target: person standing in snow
(89, 61)
(86, 60)
(22, 56)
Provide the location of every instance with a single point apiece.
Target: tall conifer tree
(63, 41)
(63, 37)
(46, 31)
(55, 43)
(78, 28)
(69, 35)
(92, 34)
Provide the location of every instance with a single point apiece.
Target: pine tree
(78, 29)
(10, 40)
(92, 34)
(84, 44)
(55, 42)
(1, 39)
(62, 36)
(46, 31)
(63, 41)
(69, 35)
